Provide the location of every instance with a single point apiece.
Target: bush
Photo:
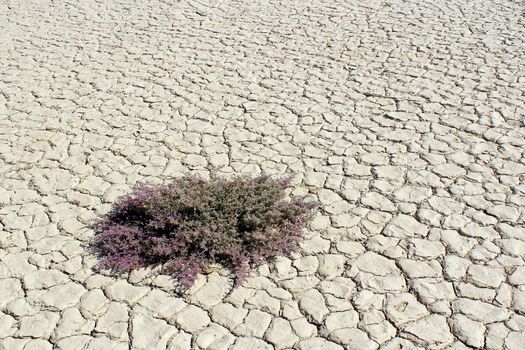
(191, 223)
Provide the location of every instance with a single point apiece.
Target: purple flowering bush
(191, 223)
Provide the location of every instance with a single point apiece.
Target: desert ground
(403, 119)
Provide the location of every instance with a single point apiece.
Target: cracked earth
(405, 119)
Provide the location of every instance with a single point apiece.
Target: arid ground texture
(404, 119)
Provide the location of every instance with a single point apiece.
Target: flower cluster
(191, 223)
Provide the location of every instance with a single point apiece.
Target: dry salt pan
(406, 127)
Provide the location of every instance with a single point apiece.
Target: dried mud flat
(404, 119)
